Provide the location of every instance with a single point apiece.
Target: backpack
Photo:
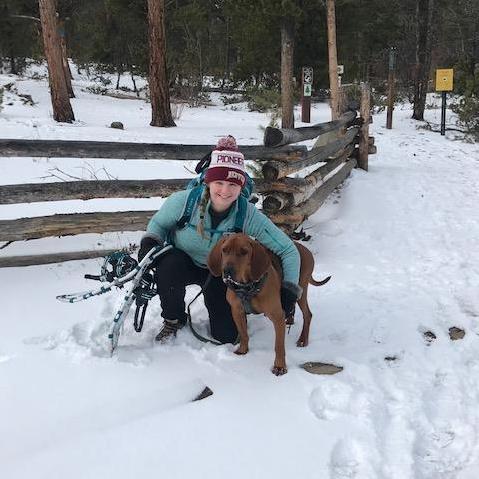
(197, 187)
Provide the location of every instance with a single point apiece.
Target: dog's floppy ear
(214, 258)
(260, 260)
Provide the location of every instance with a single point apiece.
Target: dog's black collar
(246, 291)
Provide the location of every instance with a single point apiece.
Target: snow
(402, 245)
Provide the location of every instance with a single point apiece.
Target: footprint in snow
(335, 399)
(4, 359)
(349, 460)
(82, 340)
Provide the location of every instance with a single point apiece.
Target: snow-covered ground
(402, 245)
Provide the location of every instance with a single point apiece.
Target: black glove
(288, 301)
(145, 290)
(146, 245)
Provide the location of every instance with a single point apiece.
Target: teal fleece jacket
(162, 226)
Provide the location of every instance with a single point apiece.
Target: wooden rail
(32, 260)
(135, 151)
(274, 137)
(73, 224)
(87, 190)
(297, 214)
(274, 169)
(275, 200)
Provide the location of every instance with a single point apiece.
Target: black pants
(174, 271)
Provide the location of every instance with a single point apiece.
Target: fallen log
(272, 170)
(32, 260)
(297, 214)
(73, 224)
(275, 200)
(274, 137)
(135, 151)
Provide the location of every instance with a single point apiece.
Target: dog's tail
(319, 283)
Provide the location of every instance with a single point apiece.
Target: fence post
(364, 111)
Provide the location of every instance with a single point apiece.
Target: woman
(213, 216)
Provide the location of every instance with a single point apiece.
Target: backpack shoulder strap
(240, 214)
(191, 201)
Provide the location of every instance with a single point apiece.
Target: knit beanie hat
(227, 163)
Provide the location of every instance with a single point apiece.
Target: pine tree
(158, 79)
(62, 109)
(425, 10)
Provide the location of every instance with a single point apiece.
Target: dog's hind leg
(307, 315)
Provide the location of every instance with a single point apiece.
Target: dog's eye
(243, 252)
(226, 250)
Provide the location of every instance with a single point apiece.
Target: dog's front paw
(303, 340)
(279, 370)
(301, 343)
(241, 350)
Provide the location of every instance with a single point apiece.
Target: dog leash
(190, 322)
(188, 315)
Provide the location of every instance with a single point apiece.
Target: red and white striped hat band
(226, 166)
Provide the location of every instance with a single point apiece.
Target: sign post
(340, 74)
(392, 68)
(444, 83)
(307, 84)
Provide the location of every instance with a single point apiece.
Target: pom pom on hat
(227, 143)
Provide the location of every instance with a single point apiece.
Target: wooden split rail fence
(340, 146)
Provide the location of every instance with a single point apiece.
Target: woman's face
(223, 194)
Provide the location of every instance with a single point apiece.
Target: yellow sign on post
(444, 79)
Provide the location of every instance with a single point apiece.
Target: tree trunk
(62, 109)
(13, 67)
(158, 78)
(227, 56)
(118, 71)
(424, 12)
(333, 61)
(287, 48)
(135, 89)
(66, 68)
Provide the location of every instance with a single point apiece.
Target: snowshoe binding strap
(114, 266)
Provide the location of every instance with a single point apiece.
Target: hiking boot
(168, 330)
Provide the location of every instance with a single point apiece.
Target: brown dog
(253, 276)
